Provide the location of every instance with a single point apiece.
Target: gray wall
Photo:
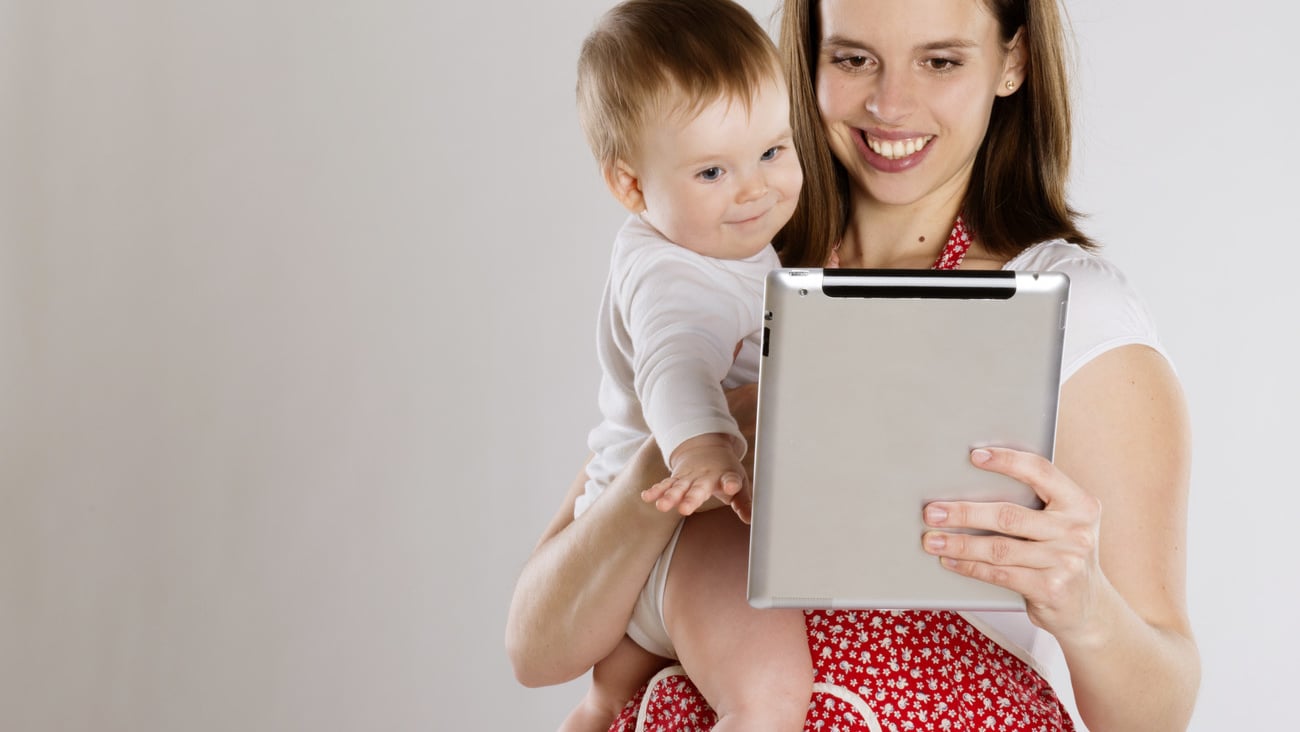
(296, 305)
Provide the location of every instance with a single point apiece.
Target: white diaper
(647, 627)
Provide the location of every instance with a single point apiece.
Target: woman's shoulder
(1060, 255)
(1094, 279)
(1104, 310)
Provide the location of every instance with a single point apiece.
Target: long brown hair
(1016, 196)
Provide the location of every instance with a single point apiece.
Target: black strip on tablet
(919, 283)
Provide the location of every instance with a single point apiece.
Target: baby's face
(723, 182)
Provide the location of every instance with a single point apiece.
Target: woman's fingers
(1017, 579)
(1035, 471)
(989, 549)
(1050, 575)
(1068, 510)
(1048, 555)
(1048, 592)
(1004, 518)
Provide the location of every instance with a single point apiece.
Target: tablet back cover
(874, 387)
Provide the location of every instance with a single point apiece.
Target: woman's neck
(891, 236)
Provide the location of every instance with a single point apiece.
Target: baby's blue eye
(771, 153)
(713, 173)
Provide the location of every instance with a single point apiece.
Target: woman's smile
(892, 152)
(897, 148)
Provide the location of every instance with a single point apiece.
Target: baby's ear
(624, 183)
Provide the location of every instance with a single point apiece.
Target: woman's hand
(1048, 555)
(1112, 592)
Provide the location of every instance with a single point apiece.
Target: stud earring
(1010, 85)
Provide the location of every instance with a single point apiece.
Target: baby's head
(684, 105)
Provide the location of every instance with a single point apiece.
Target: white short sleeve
(1104, 311)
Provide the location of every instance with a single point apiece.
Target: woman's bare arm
(576, 592)
(1134, 665)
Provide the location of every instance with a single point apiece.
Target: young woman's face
(724, 181)
(906, 88)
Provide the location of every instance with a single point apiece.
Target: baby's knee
(595, 713)
(776, 703)
(597, 710)
(769, 715)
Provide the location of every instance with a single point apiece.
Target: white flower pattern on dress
(910, 670)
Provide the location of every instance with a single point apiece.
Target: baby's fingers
(743, 505)
(699, 491)
(653, 493)
(732, 484)
(666, 494)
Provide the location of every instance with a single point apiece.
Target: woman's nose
(891, 98)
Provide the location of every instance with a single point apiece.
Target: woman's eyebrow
(947, 44)
(838, 41)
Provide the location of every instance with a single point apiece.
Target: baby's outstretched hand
(703, 467)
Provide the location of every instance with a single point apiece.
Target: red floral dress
(885, 670)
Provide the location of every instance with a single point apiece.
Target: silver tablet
(874, 387)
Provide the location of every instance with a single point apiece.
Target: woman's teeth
(895, 149)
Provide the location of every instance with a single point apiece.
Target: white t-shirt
(666, 338)
(1103, 313)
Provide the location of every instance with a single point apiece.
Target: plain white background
(296, 314)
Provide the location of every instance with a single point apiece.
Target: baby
(685, 108)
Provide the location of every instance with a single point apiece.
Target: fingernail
(980, 456)
(935, 541)
(949, 562)
(935, 515)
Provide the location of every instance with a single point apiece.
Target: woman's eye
(851, 62)
(771, 153)
(942, 64)
(710, 174)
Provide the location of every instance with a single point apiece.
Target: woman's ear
(624, 183)
(1016, 65)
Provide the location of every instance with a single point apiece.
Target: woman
(924, 124)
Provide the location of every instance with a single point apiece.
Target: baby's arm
(686, 326)
(703, 466)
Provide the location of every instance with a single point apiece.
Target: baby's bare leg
(751, 665)
(613, 681)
